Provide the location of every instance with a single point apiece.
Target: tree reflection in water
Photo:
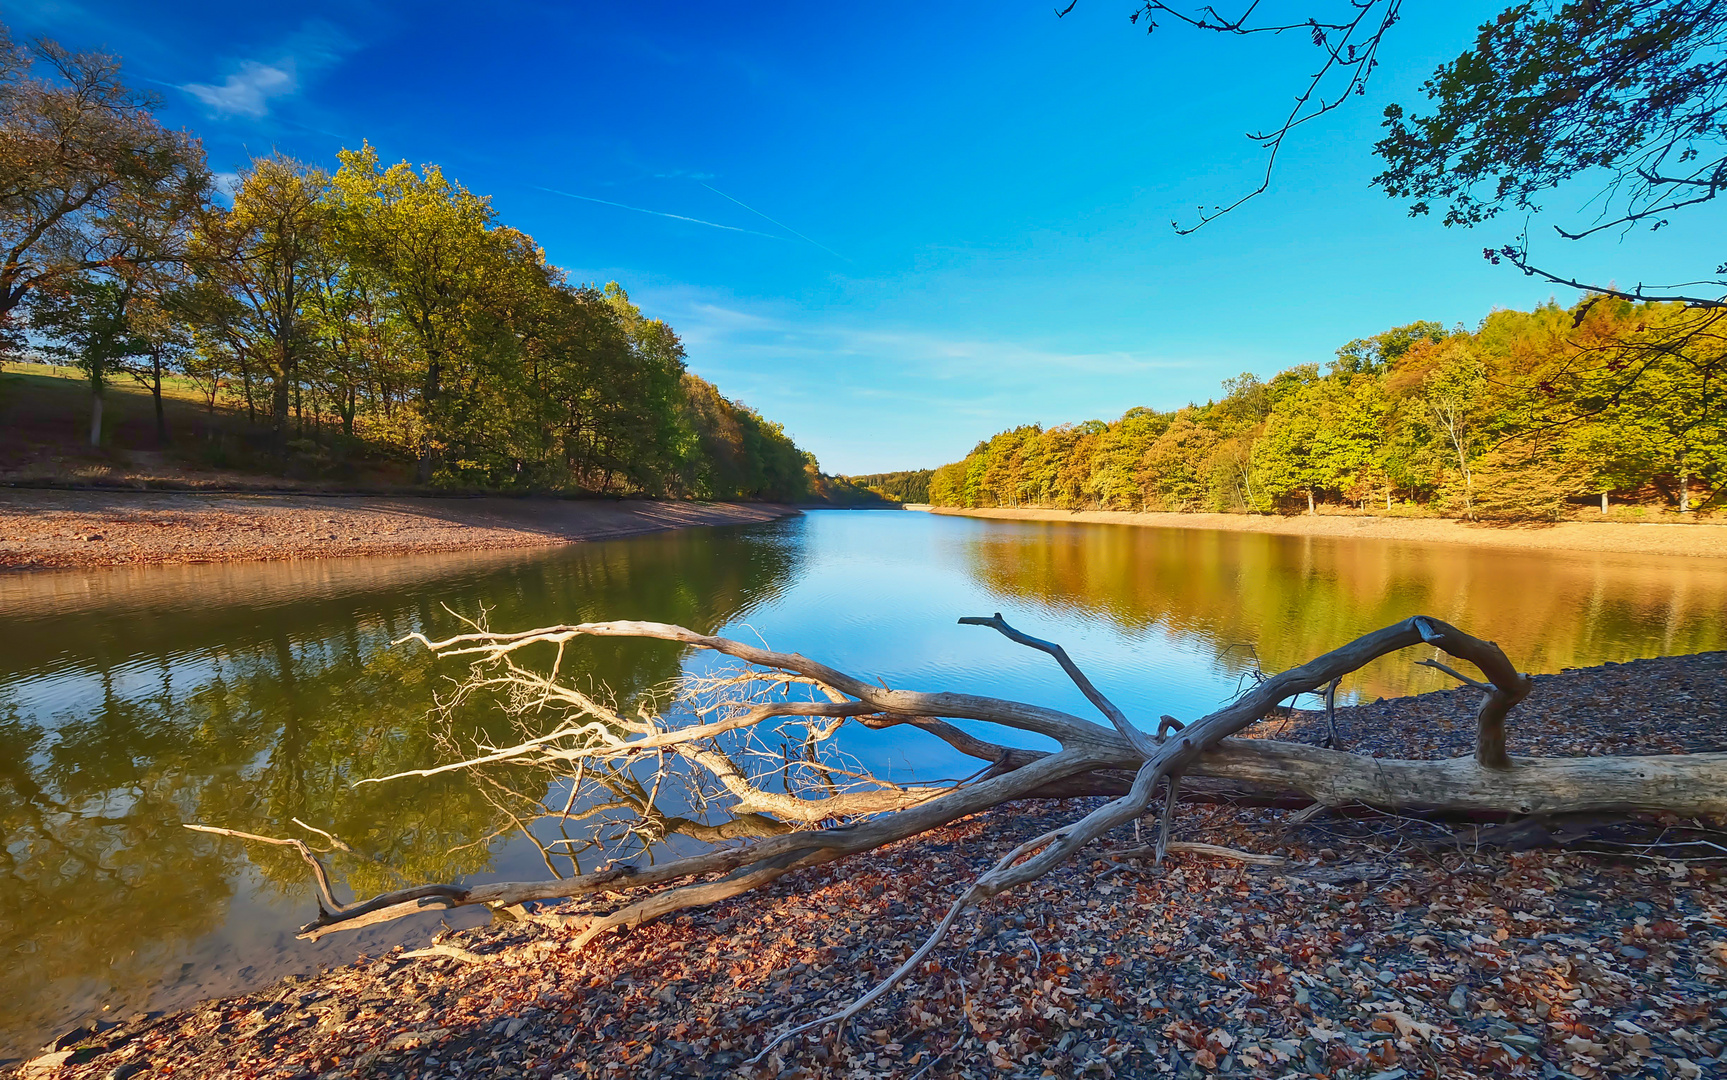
(134, 716)
(1283, 599)
(132, 701)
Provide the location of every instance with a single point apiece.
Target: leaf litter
(1384, 948)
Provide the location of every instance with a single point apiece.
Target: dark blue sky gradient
(943, 220)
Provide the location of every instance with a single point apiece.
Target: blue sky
(913, 225)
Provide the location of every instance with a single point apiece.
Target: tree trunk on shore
(156, 396)
(96, 413)
(731, 743)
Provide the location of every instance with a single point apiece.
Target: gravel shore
(42, 529)
(1704, 540)
(1382, 948)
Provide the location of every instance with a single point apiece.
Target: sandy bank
(1706, 541)
(44, 529)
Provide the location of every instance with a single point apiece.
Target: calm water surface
(135, 700)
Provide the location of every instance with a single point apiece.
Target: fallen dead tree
(807, 804)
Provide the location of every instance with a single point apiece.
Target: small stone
(1632, 952)
(47, 1063)
(1459, 1000)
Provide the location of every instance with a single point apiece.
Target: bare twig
(1187, 847)
(1138, 739)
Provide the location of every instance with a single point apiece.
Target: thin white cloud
(656, 213)
(764, 217)
(868, 396)
(251, 88)
(248, 92)
(929, 355)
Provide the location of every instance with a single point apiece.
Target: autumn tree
(259, 262)
(85, 169)
(87, 320)
(425, 244)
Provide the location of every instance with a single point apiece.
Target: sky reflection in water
(134, 700)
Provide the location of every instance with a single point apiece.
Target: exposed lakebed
(135, 700)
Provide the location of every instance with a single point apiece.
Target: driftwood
(812, 808)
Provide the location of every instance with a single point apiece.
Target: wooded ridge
(1533, 415)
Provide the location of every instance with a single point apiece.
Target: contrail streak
(764, 217)
(658, 213)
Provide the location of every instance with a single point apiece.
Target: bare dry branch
(1186, 847)
(725, 742)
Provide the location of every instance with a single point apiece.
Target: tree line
(908, 486)
(1526, 415)
(376, 304)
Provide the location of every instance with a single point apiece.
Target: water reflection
(1291, 598)
(248, 696)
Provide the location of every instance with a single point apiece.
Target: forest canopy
(909, 486)
(1525, 415)
(376, 306)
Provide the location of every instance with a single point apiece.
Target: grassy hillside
(45, 424)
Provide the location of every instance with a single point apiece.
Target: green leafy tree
(1516, 419)
(428, 247)
(89, 323)
(1373, 355)
(259, 261)
(1627, 91)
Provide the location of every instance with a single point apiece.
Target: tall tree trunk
(279, 411)
(1684, 490)
(1312, 511)
(423, 467)
(96, 412)
(156, 394)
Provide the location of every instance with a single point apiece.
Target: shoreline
(1706, 541)
(49, 529)
(1374, 946)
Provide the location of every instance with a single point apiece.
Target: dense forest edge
(374, 326)
(908, 486)
(1607, 408)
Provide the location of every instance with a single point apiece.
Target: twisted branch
(733, 773)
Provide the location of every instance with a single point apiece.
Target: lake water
(247, 696)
